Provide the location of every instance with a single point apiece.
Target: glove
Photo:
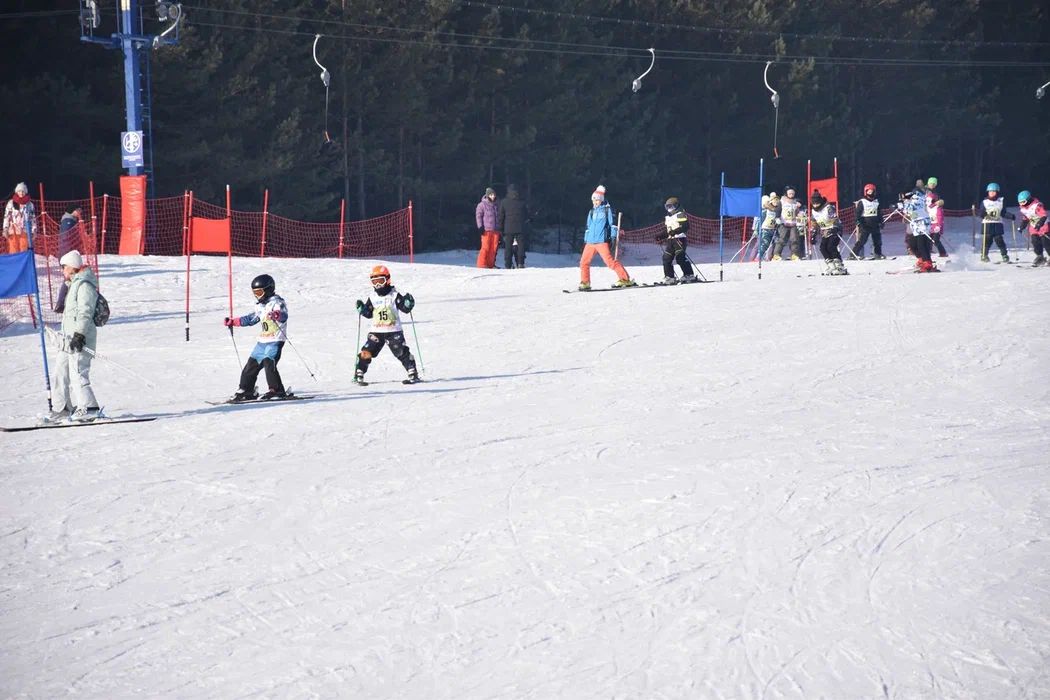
(408, 303)
(229, 322)
(360, 307)
(275, 315)
(660, 237)
(76, 343)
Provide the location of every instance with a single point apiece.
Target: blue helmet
(992, 187)
(1023, 197)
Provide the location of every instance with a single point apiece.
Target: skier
(992, 214)
(912, 206)
(787, 231)
(826, 221)
(600, 230)
(935, 209)
(272, 312)
(674, 242)
(74, 398)
(382, 306)
(869, 223)
(768, 222)
(1033, 216)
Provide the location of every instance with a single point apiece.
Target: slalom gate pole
(61, 339)
(984, 240)
(973, 226)
(415, 335)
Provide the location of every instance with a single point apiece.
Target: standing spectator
(787, 231)
(1033, 217)
(992, 213)
(869, 223)
(601, 229)
(19, 218)
(73, 396)
(515, 217)
(674, 241)
(935, 209)
(69, 229)
(489, 218)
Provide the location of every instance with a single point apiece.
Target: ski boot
(985, 258)
(1039, 261)
(274, 394)
(53, 417)
(688, 279)
(241, 396)
(584, 287)
(1006, 257)
(359, 378)
(413, 377)
(777, 257)
(625, 283)
(795, 257)
(86, 415)
(877, 256)
(667, 281)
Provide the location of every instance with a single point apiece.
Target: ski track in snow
(786, 488)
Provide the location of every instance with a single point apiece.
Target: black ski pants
(1041, 244)
(864, 231)
(922, 247)
(674, 252)
(514, 255)
(376, 341)
(829, 246)
(940, 246)
(253, 367)
(992, 232)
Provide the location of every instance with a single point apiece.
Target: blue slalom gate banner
(741, 201)
(17, 274)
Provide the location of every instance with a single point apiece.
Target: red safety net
(50, 246)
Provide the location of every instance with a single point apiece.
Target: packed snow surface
(793, 487)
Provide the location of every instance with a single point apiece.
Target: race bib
(384, 316)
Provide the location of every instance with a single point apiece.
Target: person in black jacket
(674, 241)
(515, 217)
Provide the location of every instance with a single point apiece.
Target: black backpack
(101, 316)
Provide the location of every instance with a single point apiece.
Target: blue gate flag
(17, 274)
(741, 201)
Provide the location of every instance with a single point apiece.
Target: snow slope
(789, 488)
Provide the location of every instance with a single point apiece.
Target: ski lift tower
(136, 141)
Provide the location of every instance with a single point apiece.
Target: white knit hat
(21, 188)
(72, 259)
(599, 193)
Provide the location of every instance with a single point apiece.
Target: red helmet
(380, 272)
(869, 189)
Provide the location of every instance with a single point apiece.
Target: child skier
(1033, 216)
(869, 224)
(826, 221)
(674, 242)
(787, 231)
(912, 207)
(272, 312)
(992, 214)
(767, 228)
(935, 210)
(382, 306)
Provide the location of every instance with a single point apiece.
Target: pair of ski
(648, 285)
(101, 420)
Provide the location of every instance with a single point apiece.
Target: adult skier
(787, 231)
(912, 206)
(1033, 216)
(869, 224)
(826, 223)
(935, 209)
(674, 242)
(383, 306)
(272, 312)
(600, 231)
(73, 398)
(992, 214)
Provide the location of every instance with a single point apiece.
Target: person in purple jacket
(489, 217)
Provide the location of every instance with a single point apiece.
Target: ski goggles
(259, 293)
(379, 280)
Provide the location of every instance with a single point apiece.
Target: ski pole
(984, 240)
(63, 340)
(696, 268)
(973, 227)
(297, 353)
(235, 347)
(855, 256)
(416, 336)
(1017, 254)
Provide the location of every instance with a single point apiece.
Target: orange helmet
(380, 272)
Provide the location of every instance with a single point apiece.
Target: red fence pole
(189, 235)
(229, 255)
(266, 215)
(94, 221)
(185, 222)
(342, 224)
(411, 246)
(43, 210)
(105, 210)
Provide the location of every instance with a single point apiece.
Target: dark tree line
(433, 100)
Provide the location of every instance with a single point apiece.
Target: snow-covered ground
(799, 487)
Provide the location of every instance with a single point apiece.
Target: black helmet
(817, 199)
(671, 203)
(263, 287)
